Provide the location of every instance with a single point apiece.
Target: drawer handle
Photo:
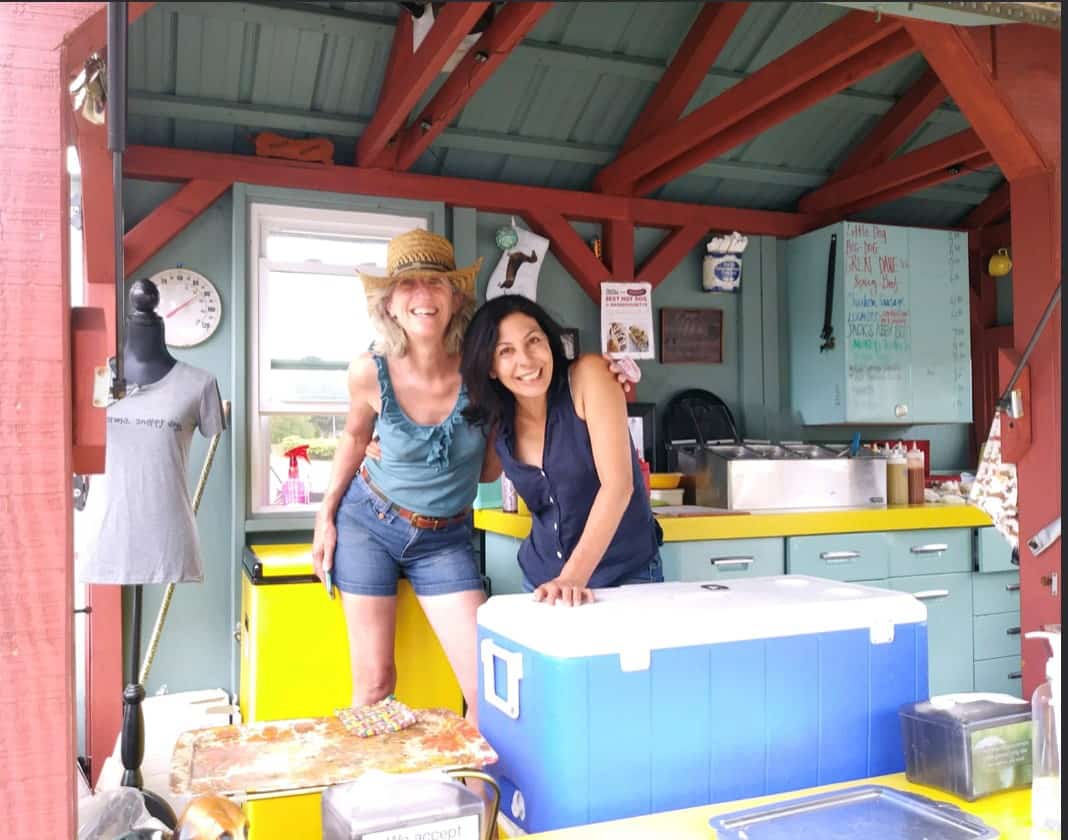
(1012, 631)
(1015, 675)
(741, 560)
(928, 594)
(839, 556)
(930, 548)
(1012, 587)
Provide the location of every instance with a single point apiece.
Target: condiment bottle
(914, 462)
(509, 497)
(897, 478)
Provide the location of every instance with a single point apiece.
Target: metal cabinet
(722, 559)
(948, 599)
(897, 308)
(848, 557)
(501, 565)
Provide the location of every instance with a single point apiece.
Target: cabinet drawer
(933, 551)
(996, 593)
(997, 635)
(948, 599)
(993, 551)
(714, 559)
(1003, 675)
(838, 556)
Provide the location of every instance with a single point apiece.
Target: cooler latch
(513, 666)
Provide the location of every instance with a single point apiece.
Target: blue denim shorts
(375, 545)
(654, 573)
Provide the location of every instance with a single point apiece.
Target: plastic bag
(112, 813)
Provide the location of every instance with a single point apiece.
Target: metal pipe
(116, 128)
(1006, 396)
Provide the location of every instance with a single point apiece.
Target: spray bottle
(1046, 743)
(295, 490)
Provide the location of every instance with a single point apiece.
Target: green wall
(197, 649)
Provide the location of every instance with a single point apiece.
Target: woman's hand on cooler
(625, 370)
(568, 592)
(323, 543)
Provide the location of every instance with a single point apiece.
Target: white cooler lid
(654, 616)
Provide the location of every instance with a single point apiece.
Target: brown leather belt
(418, 520)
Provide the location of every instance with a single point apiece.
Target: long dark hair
(487, 398)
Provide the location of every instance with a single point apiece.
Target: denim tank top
(432, 470)
(560, 495)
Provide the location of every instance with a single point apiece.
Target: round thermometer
(189, 305)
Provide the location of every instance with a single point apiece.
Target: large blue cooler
(670, 695)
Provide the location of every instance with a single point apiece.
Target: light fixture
(1000, 263)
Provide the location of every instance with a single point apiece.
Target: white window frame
(266, 219)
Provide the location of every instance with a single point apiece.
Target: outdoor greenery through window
(309, 321)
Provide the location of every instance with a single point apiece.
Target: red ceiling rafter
(853, 33)
(508, 28)
(872, 60)
(672, 249)
(937, 157)
(896, 126)
(953, 56)
(618, 236)
(98, 203)
(993, 209)
(156, 163)
(411, 77)
(693, 59)
(164, 223)
(92, 35)
(570, 250)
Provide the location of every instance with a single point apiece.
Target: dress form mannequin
(145, 356)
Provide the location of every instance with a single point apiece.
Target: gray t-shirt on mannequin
(139, 512)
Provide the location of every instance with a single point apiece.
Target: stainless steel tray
(857, 813)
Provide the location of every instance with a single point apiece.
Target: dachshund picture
(515, 260)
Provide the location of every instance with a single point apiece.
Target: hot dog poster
(627, 320)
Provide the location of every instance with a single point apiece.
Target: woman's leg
(453, 618)
(371, 621)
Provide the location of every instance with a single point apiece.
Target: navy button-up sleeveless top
(560, 495)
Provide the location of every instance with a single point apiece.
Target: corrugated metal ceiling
(210, 75)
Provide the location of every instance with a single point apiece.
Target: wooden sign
(691, 336)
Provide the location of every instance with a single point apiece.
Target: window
(308, 321)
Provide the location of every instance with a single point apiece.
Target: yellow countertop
(776, 524)
(1009, 812)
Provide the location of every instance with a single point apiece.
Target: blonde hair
(391, 340)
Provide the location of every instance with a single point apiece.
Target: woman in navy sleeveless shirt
(562, 439)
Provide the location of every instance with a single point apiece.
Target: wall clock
(189, 305)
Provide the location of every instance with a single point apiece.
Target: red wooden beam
(958, 148)
(570, 251)
(875, 58)
(168, 220)
(896, 126)
(931, 179)
(92, 35)
(832, 45)
(165, 164)
(618, 236)
(508, 28)
(98, 204)
(993, 209)
(672, 249)
(691, 63)
(953, 55)
(411, 79)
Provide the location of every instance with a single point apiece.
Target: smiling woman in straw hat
(408, 510)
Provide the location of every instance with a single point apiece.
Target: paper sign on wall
(517, 270)
(627, 320)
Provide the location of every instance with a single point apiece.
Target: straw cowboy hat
(420, 252)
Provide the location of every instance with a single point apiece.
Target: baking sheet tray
(312, 753)
(867, 811)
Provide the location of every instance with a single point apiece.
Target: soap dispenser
(1046, 744)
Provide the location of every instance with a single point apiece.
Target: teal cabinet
(502, 567)
(899, 313)
(1003, 675)
(848, 557)
(992, 551)
(930, 551)
(948, 599)
(722, 559)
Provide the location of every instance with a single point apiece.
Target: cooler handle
(513, 661)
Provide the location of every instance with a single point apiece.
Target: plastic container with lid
(970, 745)
(380, 805)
